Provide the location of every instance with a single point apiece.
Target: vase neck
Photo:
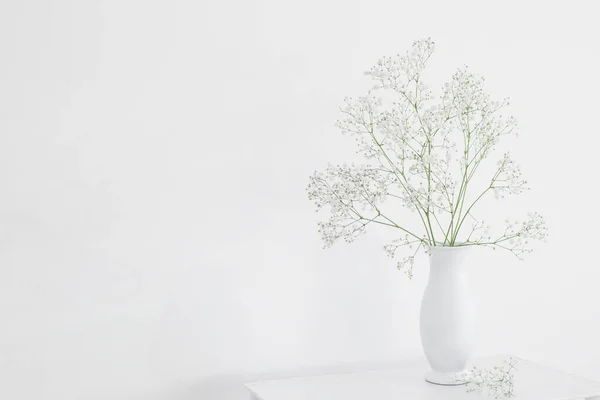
(447, 262)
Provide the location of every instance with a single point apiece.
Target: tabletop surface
(531, 382)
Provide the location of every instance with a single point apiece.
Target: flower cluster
(422, 152)
(508, 178)
(497, 382)
(353, 194)
(517, 235)
(397, 73)
(406, 263)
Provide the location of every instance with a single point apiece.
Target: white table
(531, 382)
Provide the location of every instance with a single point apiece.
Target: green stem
(394, 169)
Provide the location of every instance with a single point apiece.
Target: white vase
(447, 316)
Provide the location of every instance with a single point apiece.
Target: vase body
(447, 315)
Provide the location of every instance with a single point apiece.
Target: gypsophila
(496, 382)
(422, 152)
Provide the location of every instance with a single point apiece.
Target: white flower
(421, 152)
(496, 382)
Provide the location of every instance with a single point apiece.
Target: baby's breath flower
(496, 382)
(421, 152)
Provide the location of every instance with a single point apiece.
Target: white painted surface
(532, 382)
(155, 237)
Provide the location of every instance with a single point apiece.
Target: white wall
(155, 236)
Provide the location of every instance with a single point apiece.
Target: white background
(155, 236)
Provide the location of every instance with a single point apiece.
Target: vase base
(444, 378)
